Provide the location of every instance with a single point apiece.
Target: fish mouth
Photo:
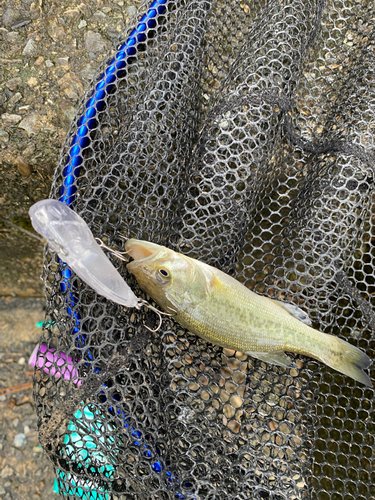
(141, 251)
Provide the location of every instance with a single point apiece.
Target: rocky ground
(49, 51)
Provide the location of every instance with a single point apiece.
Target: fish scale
(238, 318)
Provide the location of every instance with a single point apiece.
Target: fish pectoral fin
(278, 358)
(294, 311)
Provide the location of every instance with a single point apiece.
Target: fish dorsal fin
(293, 310)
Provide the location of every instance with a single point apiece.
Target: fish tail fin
(347, 359)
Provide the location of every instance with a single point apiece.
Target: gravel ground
(25, 471)
(49, 51)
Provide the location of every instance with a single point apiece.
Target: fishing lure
(70, 237)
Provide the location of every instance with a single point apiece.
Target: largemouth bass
(218, 308)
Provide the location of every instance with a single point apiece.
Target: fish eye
(164, 273)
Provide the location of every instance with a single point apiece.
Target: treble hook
(159, 313)
(116, 253)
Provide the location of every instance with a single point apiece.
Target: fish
(221, 310)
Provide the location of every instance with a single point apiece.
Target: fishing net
(241, 134)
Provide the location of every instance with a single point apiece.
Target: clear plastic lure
(70, 237)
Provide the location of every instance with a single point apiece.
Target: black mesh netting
(241, 134)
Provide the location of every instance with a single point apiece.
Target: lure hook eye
(59, 248)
